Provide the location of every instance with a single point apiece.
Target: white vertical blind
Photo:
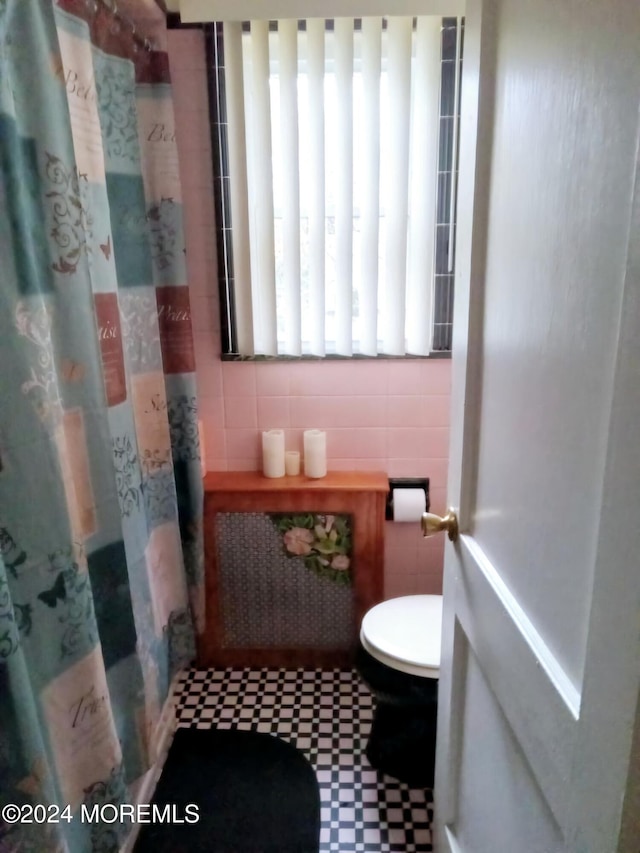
(344, 185)
(289, 301)
(261, 191)
(300, 95)
(397, 188)
(370, 184)
(238, 185)
(316, 174)
(423, 177)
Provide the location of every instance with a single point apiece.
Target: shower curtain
(100, 483)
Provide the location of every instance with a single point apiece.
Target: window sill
(315, 358)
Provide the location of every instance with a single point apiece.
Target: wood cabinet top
(335, 481)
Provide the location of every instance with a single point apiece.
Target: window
(334, 148)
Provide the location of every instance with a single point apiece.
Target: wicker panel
(271, 600)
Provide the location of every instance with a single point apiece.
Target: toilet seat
(404, 634)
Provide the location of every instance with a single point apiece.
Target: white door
(541, 655)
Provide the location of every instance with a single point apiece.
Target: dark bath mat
(255, 794)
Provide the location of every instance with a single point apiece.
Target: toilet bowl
(398, 658)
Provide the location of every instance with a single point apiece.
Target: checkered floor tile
(327, 715)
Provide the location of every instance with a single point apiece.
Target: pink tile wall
(387, 415)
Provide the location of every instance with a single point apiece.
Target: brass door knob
(432, 524)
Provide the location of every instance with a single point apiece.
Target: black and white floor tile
(327, 715)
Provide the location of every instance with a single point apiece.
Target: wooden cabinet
(361, 495)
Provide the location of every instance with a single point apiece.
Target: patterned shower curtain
(100, 484)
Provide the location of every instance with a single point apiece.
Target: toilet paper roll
(408, 504)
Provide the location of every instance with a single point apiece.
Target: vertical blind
(332, 131)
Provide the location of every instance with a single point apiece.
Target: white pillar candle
(292, 463)
(273, 453)
(315, 453)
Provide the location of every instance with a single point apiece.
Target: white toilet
(399, 660)
(404, 634)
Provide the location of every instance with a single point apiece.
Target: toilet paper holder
(405, 483)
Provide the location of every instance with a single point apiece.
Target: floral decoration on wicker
(322, 541)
